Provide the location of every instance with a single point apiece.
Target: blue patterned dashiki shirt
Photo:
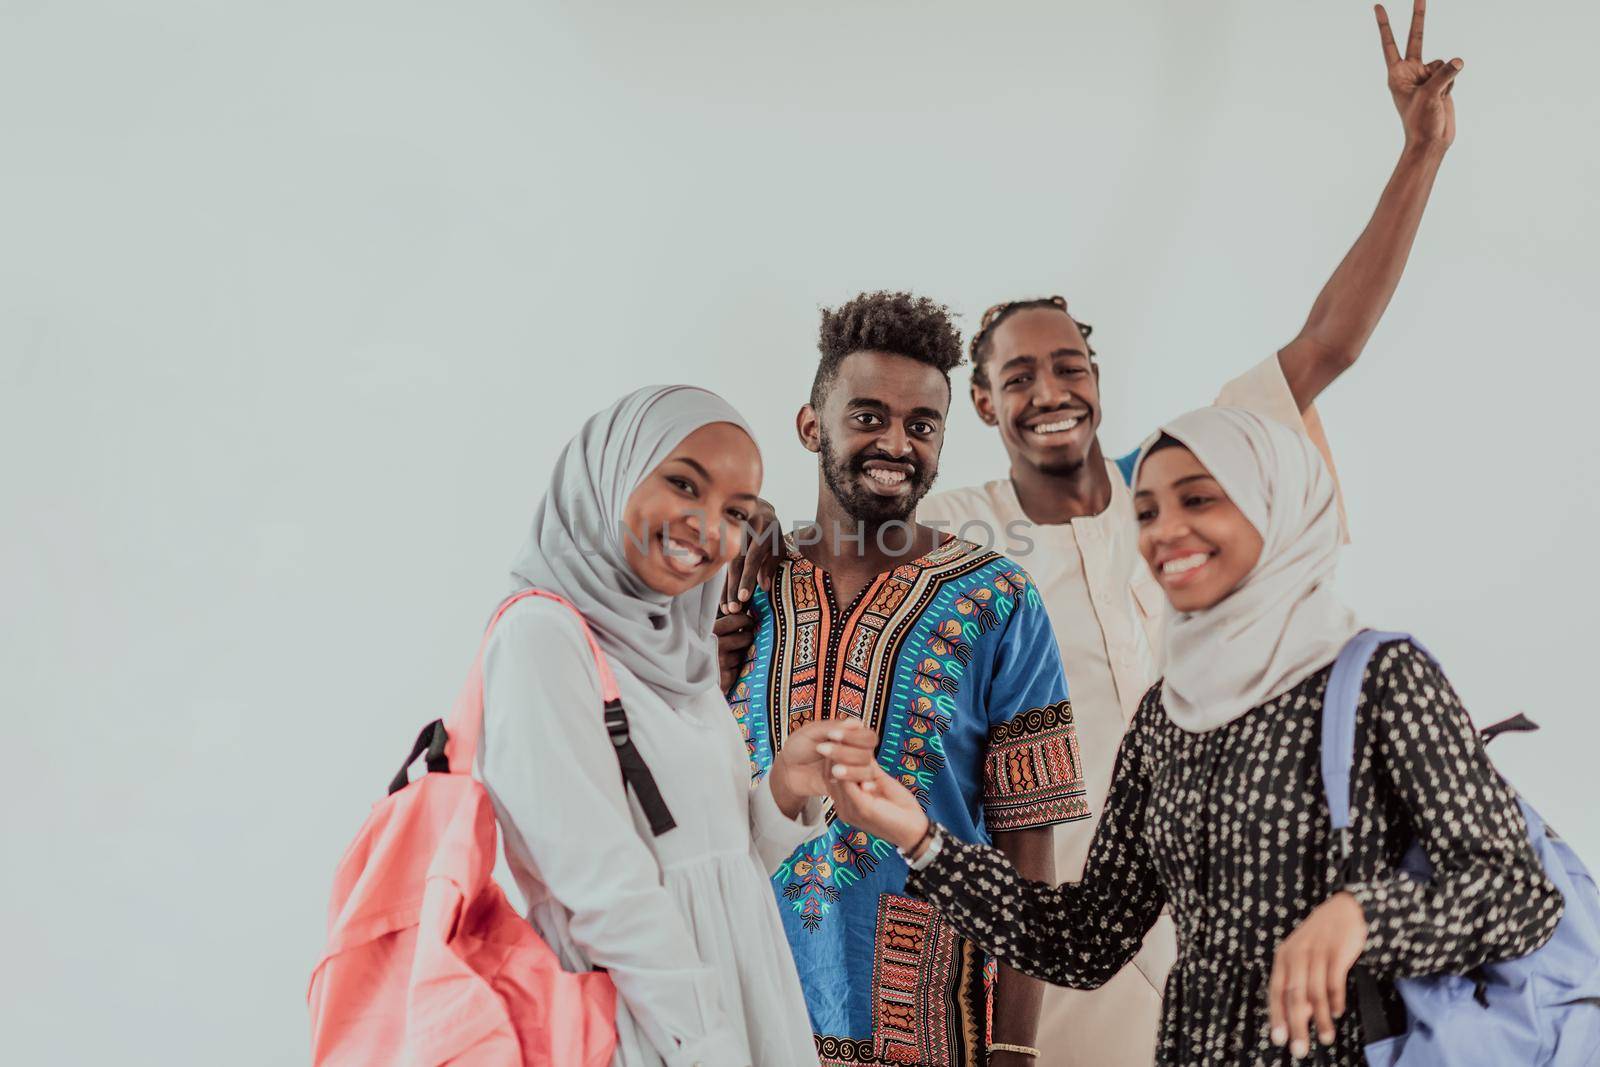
(950, 659)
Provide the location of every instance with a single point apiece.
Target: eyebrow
(1026, 358)
(878, 405)
(702, 472)
(1186, 479)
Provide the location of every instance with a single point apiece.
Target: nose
(1166, 529)
(1048, 392)
(708, 532)
(894, 440)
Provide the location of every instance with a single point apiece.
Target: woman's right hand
(882, 807)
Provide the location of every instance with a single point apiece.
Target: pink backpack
(427, 963)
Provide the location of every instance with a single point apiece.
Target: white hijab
(576, 546)
(1284, 621)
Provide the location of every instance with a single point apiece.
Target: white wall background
(299, 299)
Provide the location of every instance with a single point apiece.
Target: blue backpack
(1542, 1010)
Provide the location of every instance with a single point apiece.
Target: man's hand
(756, 562)
(1421, 90)
(735, 634)
(1348, 308)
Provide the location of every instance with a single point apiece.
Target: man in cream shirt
(1035, 380)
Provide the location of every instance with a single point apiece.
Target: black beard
(1068, 468)
(841, 472)
(1064, 469)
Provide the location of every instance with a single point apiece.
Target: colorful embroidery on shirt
(1033, 773)
(913, 974)
(895, 659)
(931, 995)
(843, 1051)
(930, 656)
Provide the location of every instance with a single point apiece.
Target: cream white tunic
(685, 923)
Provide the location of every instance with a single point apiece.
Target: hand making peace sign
(1421, 90)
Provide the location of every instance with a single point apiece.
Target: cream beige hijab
(1284, 622)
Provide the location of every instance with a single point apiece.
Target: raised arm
(1355, 297)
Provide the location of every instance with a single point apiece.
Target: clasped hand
(819, 755)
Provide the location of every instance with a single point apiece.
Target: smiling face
(1040, 388)
(1198, 543)
(879, 433)
(685, 519)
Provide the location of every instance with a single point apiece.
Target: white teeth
(1056, 427)
(886, 477)
(682, 551)
(1184, 564)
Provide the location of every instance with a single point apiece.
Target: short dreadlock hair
(982, 340)
(906, 325)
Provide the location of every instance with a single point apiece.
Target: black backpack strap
(467, 724)
(635, 771)
(431, 740)
(1378, 1021)
(1517, 724)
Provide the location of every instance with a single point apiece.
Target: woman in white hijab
(644, 509)
(1216, 807)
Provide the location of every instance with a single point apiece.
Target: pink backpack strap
(465, 726)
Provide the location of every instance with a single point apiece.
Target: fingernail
(824, 749)
(1299, 1049)
(744, 594)
(839, 770)
(1325, 1038)
(1456, 63)
(835, 735)
(1279, 1035)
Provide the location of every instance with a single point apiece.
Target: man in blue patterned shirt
(944, 649)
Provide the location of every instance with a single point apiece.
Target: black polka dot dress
(1230, 830)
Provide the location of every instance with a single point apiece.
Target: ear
(983, 404)
(808, 428)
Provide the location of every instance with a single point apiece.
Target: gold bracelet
(1001, 1046)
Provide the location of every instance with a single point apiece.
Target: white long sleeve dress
(685, 923)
